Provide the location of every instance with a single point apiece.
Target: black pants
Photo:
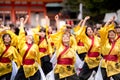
(82, 56)
(73, 77)
(86, 72)
(46, 65)
(104, 75)
(6, 76)
(21, 76)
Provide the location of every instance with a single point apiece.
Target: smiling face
(111, 34)
(117, 30)
(29, 39)
(42, 32)
(89, 31)
(65, 39)
(6, 38)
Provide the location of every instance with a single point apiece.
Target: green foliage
(92, 8)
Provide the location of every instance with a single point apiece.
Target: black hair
(117, 26)
(42, 29)
(6, 35)
(17, 31)
(91, 26)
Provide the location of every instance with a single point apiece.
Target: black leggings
(86, 72)
(82, 56)
(21, 76)
(6, 76)
(104, 75)
(73, 77)
(46, 65)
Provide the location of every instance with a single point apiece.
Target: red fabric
(29, 46)
(41, 39)
(111, 58)
(65, 61)
(63, 52)
(42, 49)
(52, 44)
(28, 61)
(80, 43)
(5, 60)
(93, 54)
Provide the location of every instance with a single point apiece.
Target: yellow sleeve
(76, 28)
(14, 38)
(56, 38)
(36, 29)
(37, 58)
(104, 33)
(36, 38)
(73, 42)
(21, 37)
(17, 58)
(78, 34)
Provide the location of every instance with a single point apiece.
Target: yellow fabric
(65, 70)
(33, 53)
(44, 44)
(78, 31)
(51, 48)
(12, 54)
(104, 31)
(36, 29)
(21, 37)
(76, 28)
(14, 41)
(57, 38)
(112, 67)
(87, 43)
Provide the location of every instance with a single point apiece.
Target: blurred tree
(94, 8)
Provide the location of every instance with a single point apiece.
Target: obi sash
(5, 59)
(27, 61)
(64, 61)
(92, 54)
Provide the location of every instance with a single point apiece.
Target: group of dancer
(33, 48)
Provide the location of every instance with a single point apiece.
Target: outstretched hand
(87, 18)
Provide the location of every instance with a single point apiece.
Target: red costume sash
(111, 57)
(28, 61)
(40, 41)
(42, 49)
(92, 54)
(64, 61)
(80, 43)
(5, 59)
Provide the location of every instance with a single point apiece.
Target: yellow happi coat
(32, 54)
(56, 37)
(92, 62)
(80, 45)
(44, 44)
(11, 54)
(112, 67)
(65, 70)
(14, 41)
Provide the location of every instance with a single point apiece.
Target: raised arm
(26, 19)
(85, 20)
(57, 21)
(110, 21)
